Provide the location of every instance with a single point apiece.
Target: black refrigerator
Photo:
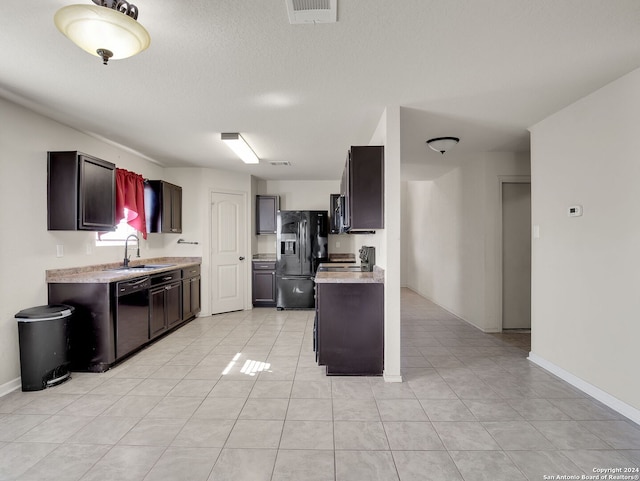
(301, 244)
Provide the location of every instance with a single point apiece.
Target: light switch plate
(59, 250)
(574, 211)
(536, 231)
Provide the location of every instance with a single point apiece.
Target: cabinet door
(264, 288)
(266, 212)
(195, 296)
(97, 200)
(366, 188)
(167, 204)
(187, 311)
(173, 303)
(157, 315)
(176, 209)
(163, 206)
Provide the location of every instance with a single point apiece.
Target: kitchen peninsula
(121, 309)
(349, 330)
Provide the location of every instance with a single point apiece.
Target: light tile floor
(238, 397)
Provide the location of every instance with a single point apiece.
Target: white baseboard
(593, 391)
(392, 377)
(10, 386)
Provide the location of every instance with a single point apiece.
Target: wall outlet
(88, 248)
(59, 250)
(536, 231)
(337, 244)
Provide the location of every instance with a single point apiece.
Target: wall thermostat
(575, 211)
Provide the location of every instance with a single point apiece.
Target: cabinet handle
(241, 258)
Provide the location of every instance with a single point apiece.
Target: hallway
(238, 397)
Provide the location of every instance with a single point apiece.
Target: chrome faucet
(126, 242)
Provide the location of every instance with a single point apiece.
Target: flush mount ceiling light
(108, 29)
(240, 147)
(442, 144)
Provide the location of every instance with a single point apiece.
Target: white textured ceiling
(482, 70)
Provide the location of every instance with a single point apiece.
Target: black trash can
(44, 345)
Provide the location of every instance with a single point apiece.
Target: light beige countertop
(113, 272)
(377, 276)
(342, 257)
(264, 257)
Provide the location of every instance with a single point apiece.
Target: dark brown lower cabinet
(350, 328)
(264, 284)
(105, 328)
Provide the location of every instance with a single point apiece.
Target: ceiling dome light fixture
(108, 29)
(442, 144)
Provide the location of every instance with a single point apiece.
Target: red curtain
(130, 195)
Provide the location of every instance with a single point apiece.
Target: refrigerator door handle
(304, 239)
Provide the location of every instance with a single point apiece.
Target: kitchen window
(117, 237)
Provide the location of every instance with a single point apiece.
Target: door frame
(504, 179)
(248, 246)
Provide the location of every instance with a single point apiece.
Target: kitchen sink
(142, 268)
(152, 266)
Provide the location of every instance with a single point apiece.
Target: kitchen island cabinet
(349, 329)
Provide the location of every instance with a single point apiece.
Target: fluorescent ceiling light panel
(240, 147)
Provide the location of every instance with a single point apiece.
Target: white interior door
(228, 252)
(516, 255)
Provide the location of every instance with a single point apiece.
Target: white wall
(586, 270)
(197, 186)
(388, 240)
(27, 249)
(452, 228)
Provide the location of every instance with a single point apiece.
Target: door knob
(241, 258)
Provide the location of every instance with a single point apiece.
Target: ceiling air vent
(312, 11)
(279, 162)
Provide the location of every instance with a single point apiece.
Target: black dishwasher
(132, 315)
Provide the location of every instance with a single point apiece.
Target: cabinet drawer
(264, 265)
(165, 278)
(191, 271)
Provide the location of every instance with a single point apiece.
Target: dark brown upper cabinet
(362, 187)
(266, 213)
(163, 207)
(81, 192)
